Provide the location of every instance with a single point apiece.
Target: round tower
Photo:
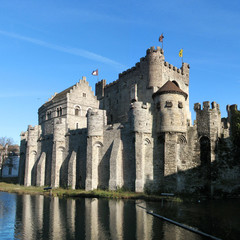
(170, 103)
(155, 60)
(59, 130)
(140, 117)
(95, 122)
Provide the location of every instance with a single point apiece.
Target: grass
(60, 192)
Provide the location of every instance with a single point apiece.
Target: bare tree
(7, 148)
(6, 140)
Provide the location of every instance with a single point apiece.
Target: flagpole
(161, 39)
(182, 57)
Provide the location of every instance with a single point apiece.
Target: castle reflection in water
(39, 217)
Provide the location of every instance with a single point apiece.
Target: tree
(7, 148)
(6, 140)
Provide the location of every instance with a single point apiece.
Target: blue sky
(48, 45)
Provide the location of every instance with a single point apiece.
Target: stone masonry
(134, 133)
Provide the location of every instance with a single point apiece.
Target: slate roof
(169, 87)
(63, 93)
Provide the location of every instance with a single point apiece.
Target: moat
(38, 217)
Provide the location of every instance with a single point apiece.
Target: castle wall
(139, 83)
(126, 137)
(79, 100)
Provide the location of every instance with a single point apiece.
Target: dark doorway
(205, 157)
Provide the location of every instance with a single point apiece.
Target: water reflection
(39, 217)
(90, 218)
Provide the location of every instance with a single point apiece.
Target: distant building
(134, 133)
(9, 160)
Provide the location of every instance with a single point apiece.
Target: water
(39, 217)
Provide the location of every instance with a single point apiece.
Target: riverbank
(60, 192)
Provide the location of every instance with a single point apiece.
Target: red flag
(161, 38)
(95, 73)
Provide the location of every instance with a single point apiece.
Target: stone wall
(128, 136)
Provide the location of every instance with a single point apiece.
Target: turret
(140, 118)
(171, 109)
(96, 119)
(59, 150)
(99, 89)
(31, 154)
(208, 119)
(32, 135)
(155, 60)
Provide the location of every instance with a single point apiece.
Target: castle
(134, 133)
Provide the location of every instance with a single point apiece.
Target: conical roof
(169, 87)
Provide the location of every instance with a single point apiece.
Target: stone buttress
(31, 154)
(96, 119)
(141, 126)
(58, 153)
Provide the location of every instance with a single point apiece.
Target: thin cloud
(69, 50)
(13, 94)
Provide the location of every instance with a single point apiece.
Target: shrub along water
(60, 192)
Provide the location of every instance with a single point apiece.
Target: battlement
(102, 82)
(206, 106)
(154, 50)
(31, 128)
(112, 83)
(128, 71)
(184, 69)
(139, 105)
(233, 107)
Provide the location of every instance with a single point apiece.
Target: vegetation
(7, 149)
(60, 192)
(6, 140)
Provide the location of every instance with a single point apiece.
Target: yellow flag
(180, 53)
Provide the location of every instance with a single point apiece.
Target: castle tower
(208, 123)
(141, 124)
(96, 119)
(170, 105)
(99, 89)
(31, 155)
(171, 111)
(155, 60)
(59, 150)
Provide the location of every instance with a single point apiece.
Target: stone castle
(135, 133)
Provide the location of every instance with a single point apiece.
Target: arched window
(175, 83)
(60, 111)
(48, 115)
(77, 110)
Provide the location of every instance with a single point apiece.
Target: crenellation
(197, 106)
(135, 133)
(206, 105)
